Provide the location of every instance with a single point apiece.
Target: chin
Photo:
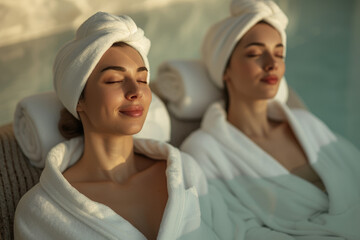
(131, 130)
(264, 97)
(272, 96)
(269, 95)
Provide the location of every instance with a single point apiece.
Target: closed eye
(142, 81)
(112, 82)
(253, 55)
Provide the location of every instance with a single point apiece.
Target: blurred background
(323, 57)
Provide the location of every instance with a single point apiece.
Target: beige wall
(22, 20)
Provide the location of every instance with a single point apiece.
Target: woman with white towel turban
(284, 165)
(102, 183)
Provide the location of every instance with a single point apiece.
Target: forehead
(262, 33)
(124, 56)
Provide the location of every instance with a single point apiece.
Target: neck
(108, 157)
(250, 118)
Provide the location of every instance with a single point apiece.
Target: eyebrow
(262, 44)
(122, 69)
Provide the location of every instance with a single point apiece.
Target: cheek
(147, 95)
(282, 67)
(242, 73)
(111, 94)
(244, 68)
(109, 97)
(249, 68)
(100, 99)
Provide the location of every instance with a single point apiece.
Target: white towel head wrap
(222, 37)
(77, 59)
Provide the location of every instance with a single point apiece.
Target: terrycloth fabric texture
(36, 125)
(280, 200)
(222, 37)
(17, 176)
(187, 87)
(77, 59)
(157, 125)
(53, 209)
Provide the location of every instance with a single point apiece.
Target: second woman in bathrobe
(102, 183)
(285, 165)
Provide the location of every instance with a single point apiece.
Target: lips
(132, 111)
(270, 79)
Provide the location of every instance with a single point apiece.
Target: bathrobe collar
(182, 205)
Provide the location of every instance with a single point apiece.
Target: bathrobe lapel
(259, 164)
(181, 215)
(277, 199)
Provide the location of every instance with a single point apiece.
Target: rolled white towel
(282, 94)
(157, 124)
(36, 125)
(186, 86)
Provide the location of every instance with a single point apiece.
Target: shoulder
(204, 140)
(313, 128)
(34, 198)
(206, 151)
(193, 174)
(29, 214)
(198, 142)
(305, 116)
(309, 121)
(177, 162)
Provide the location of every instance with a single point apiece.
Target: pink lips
(271, 79)
(132, 111)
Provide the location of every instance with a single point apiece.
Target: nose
(270, 63)
(133, 91)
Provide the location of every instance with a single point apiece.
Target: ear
(79, 106)
(226, 76)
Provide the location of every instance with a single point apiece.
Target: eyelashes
(253, 55)
(112, 82)
(141, 81)
(121, 81)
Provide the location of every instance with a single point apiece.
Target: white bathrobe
(53, 209)
(280, 200)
